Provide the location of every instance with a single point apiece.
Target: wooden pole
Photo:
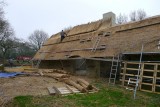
(79, 87)
(82, 81)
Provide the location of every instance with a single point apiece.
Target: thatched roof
(113, 40)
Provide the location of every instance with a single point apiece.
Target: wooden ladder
(96, 44)
(42, 56)
(114, 69)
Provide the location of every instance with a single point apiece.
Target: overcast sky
(52, 16)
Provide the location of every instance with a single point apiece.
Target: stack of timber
(82, 85)
(59, 75)
(53, 71)
(72, 85)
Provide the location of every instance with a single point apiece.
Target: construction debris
(56, 76)
(85, 84)
(79, 84)
(72, 89)
(52, 70)
(66, 83)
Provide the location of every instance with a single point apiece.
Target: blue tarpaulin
(9, 74)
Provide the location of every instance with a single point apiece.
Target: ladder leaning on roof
(96, 44)
(114, 69)
(42, 56)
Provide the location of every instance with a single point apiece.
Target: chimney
(110, 15)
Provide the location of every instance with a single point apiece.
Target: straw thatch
(114, 40)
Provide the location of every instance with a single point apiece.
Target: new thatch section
(114, 40)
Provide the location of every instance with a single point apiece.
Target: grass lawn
(113, 96)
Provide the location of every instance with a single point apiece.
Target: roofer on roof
(63, 34)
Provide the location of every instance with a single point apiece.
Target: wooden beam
(79, 87)
(147, 83)
(69, 88)
(51, 90)
(141, 76)
(85, 84)
(134, 69)
(148, 70)
(148, 77)
(124, 72)
(155, 77)
(158, 44)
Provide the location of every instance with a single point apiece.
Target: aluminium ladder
(114, 69)
(134, 82)
(137, 82)
(96, 44)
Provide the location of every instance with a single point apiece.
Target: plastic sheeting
(10, 74)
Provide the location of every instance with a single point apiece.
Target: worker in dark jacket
(10, 61)
(63, 34)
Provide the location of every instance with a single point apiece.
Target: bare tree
(2, 3)
(7, 39)
(3, 22)
(24, 49)
(122, 19)
(138, 15)
(133, 16)
(37, 38)
(141, 14)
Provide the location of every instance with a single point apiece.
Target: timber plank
(51, 90)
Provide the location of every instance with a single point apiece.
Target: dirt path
(29, 85)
